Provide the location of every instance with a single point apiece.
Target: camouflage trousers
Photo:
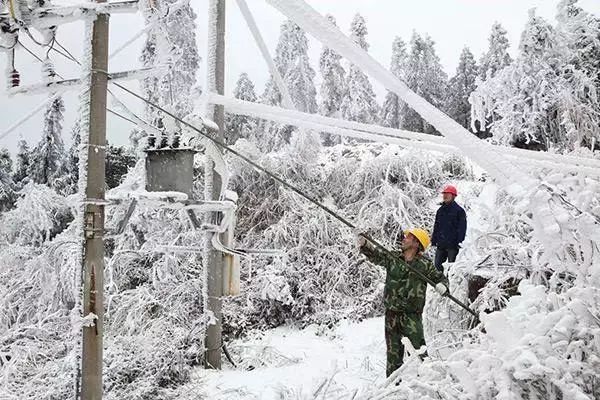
(397, 325)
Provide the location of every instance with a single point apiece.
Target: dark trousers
(442, 255)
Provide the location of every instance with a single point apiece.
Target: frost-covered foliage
(118, 162)
(241, 126)
(170, 44)
(292, 62)
(359, 103)
(580, 31)
(425, 76)
(497, 56)
(7, 184)
(155, 322)
(39, 215)
(333, 86)
(460, 87)
(495, 59)
(548, 98)
(46, 158)
(392, 109)
(322, 279)
(66, 183)
(20, 173)
(541, 346)
(36, 296)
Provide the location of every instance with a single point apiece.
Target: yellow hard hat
(421, 235)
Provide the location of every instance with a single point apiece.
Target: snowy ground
(302, 363)
(316, 362)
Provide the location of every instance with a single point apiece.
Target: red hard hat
(450, 189)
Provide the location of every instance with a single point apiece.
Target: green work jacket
(404, 290)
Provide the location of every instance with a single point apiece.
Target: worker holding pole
(404, 293)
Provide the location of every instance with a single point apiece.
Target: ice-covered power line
(295, 189)
(68, 84)
(126, 8)
(315, 24)
(286, 98)
(385, 135)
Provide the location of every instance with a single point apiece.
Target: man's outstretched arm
(372, 253)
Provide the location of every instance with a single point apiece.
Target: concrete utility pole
(93, 261)
(215, 260)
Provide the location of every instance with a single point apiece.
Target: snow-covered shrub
(549, 97)
(457, 168)
(37, 295)
(544, 342)
(155, 336)
(322, 279)
(543, 345)
(39, 215)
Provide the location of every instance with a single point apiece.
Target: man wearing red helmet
(449, 229)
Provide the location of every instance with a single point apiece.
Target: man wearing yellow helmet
(404, 293)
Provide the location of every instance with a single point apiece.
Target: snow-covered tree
(460, 88)
(67, 176)
(543, 99)
(7, 186)
(48, 154)
(293, 64)
(333, 86)
(6, 162)
(549, 96)
(39, 215)
(171, 43)
(22, 165)
(304, 144)
(579, 32)
(526, 94)
(118, 162)
(393, 107)
(425, 76)
(333, 83)
(300, 78)
(359, 102)
(241, 126)
(497, 56)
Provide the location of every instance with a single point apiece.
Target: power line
(121, 116)
(37, 109)
(32, 53)
(297, 191)
(291, 187)
(69, 56)
(72, 57)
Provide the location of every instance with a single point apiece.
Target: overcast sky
(452, 24)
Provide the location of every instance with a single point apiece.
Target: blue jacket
(450, 226)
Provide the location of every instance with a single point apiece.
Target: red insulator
(14, 78)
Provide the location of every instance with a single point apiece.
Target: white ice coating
(480, 152)
(84, 120)
(377, 133)
(211, 86)
(286, 98)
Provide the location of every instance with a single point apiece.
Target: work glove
(360, 241)
(441, 289)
